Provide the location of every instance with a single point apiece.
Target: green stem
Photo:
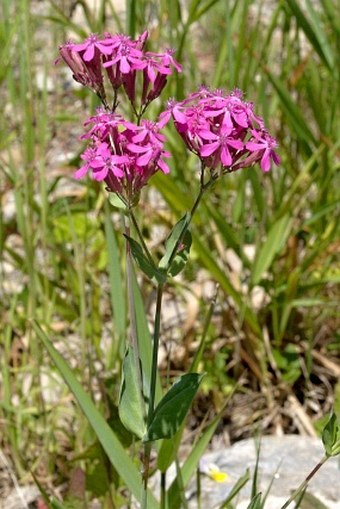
(156, 334)
(140, 236)
(155, 353)
(154, 365)
(203, 188)
(304, 483)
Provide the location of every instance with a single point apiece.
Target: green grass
(58, 240)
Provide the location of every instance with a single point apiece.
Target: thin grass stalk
(164, 500)
(198, 489)
(42, 130)
(181, 484)
(9, 415)
(305, 482)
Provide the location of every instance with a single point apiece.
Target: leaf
(144, 341)
(256, 502)
(331, 436)
(173, 407)
(236, 489)
(117, 202)
(277, 236)
(143, 262)
(313, 32)
(173, 241)
(111, 445)
(97, 479)
(190, 464)
(182, 255)
(168, 450)
(130, 406)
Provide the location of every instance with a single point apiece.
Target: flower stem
(140, 236)
(203, 188)
(155, 353)
(154, 365)
(156, 334)
(304, 483)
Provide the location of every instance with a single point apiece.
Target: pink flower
(123, 154)
(122, 58)
(125, 55)
(219, 144)
(106, 162)
(158, 67)
(87, 72)
(263, 146)
(88, 155)
(222, 130)
(93, 47)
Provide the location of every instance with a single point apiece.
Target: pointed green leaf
(111, 445)
(117, 202)
(173, 407)
(256, 502)
(173, 241)
(242, 481)
(331, 436)
(182, 255)
(130, 399)
(190, 464)
(143, 262)
(144, 341)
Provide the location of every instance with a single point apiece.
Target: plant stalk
(154, 365)
(156, 334)
(203, 189)
(304, 483)
(140, 236)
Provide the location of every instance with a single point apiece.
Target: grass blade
(277, 236)
(313, 32)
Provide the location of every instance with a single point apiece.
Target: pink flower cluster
(121, 58)
(222, 130)
(123, 154)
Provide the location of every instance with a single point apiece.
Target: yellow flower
(213, 471)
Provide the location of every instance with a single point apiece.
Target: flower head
(222, 130)
(212, 471)
(122, 154)
(122, 58)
